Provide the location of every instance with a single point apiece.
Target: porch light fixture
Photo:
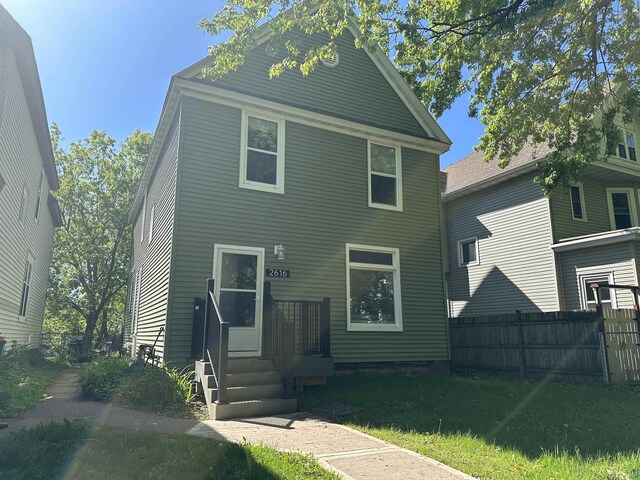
(278, 251)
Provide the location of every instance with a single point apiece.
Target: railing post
(305, 341)
(208, 307)
(289, 345)
(267, 321)
(222, 362)
(325, 327)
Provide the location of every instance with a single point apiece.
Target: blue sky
(106, 64)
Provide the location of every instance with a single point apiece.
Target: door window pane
(372, 297)
(238, 308)
(238, 271)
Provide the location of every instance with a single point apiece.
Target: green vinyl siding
(595, 208)
(354, 90)
(155, 258)
(325, 206)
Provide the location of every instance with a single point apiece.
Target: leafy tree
(90, 262)
(536, 71)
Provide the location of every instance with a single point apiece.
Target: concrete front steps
(253, 389)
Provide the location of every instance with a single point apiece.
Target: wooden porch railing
(215, 347)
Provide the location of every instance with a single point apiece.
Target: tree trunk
(102, 334)
(87, 341)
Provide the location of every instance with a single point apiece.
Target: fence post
(325, 327)
(523, 364)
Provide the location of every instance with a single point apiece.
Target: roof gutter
(597, 240)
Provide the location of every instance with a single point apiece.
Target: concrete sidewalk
(351, 454)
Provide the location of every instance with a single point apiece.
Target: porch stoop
(253, 389)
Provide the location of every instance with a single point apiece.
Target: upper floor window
(373, 288)
(38, 197)
(262, 155)
(578, 211)
(23, 204)
(622, 208)
(26, 288)
(626, 145)
(385, 176)
(151, 219)
(468, 252)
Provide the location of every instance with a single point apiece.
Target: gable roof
(472, 173)
(12, 35)
(187, 81)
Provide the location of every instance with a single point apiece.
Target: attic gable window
(385, 176)
(626, 145)
(578, 211)
(262, 155)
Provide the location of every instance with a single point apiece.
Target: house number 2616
(278, 272)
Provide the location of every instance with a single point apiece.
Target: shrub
(104, 376)
(159, 390)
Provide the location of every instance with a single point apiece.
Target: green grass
(497, 428)
(78, 451)
(24, 379)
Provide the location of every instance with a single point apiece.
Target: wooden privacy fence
(623, 345)
(564, 345)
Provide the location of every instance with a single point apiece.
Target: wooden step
(252, 392)
(249, 365)
(253, 408)
(248, 379)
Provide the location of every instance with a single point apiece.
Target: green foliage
(24, 379)
(40, 452)
(103, 377)
(90, 262)
(495, 428)
(536, 72)
(71, 450)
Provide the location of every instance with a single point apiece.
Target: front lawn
(496, 428)
(24, 379)
(79, 451)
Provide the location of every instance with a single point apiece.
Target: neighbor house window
(23, 204)
(373, 288)
(38, 197)
(151, 219)
(578, 211)
(26, 288)
(622, 208)
(468, 252)
(626, 147)
(588, 296)
(144, 214)
(385, 176)
(262, 155)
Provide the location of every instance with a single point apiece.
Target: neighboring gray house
(340, 169)
(28, 212)
(510, 248)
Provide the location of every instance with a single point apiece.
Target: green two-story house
(510, 248)
(294, 189)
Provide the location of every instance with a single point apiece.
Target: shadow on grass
(530, 417)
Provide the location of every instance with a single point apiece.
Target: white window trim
(23, 318)
(24, 200)
(467, 240)
(39, 198)
(632, 206)
(582, 203)
(398, 176)
(583, 293)
(624, 132)
(395, 268)
(144, 214)
(151, 221)
(280, 154)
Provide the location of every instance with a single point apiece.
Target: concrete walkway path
(347, 452)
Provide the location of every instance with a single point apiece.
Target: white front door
(238, 274)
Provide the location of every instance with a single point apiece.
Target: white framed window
(26, 289)
(626, 147)
(262, 152)
(373, 289)
(38, 197)
(23, 204)
(587, 295)
(385, 176)
(144, 214)
(151, 219)
(622, 208)
(468, 252)
(578, 207)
